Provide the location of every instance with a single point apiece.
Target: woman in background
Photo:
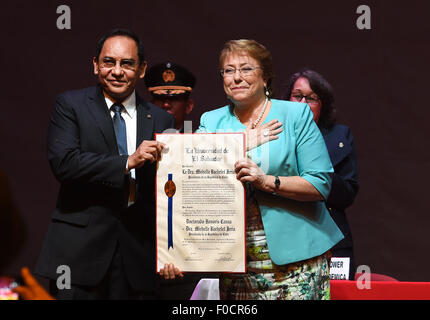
(310, 87)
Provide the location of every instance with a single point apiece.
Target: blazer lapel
(145, 121)
(338, 146)
(102, 118)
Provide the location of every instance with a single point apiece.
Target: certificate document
(200, 203)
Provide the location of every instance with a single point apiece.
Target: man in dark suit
(101, 149)
(170, 86)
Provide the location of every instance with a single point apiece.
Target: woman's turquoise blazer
(295, 230)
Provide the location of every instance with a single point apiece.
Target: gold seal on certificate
(170, 187)
(200, 203)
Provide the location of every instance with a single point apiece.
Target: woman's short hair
(255, 50)
(322, 88)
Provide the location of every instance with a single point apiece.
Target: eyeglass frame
(222, 71)
(313, 100)
(121, 62)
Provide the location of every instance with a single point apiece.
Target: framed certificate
(200, 203)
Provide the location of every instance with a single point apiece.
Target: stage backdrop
(380, 77)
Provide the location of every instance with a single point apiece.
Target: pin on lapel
(341, 144)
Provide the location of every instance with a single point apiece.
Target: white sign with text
(339, 268)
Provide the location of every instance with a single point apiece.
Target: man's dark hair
(125, 33)
(322, 88)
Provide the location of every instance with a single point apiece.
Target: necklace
(254, 124)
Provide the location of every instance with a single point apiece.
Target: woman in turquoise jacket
(287, 176)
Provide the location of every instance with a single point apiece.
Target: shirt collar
(129, 104)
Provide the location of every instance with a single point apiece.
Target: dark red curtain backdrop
(380, 77)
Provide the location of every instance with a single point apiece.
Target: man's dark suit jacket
(91, 216)
(341, 148)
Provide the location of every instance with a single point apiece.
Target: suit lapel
(102, 118)
(145, 121)
(337, 145)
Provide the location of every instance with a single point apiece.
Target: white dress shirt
(129, 114)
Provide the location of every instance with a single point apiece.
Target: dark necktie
(120, 129)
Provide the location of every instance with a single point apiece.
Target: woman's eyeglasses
(244, 71)
(309, 99)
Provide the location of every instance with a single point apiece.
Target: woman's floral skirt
(264, 280)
